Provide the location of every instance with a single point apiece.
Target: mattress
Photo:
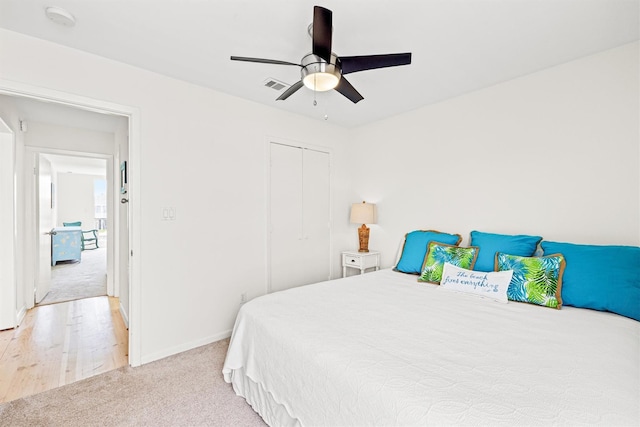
(383, 349)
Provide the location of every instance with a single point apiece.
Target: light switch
(168, 213)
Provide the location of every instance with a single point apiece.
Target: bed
(385, 349)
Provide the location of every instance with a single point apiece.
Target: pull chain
(315, 103)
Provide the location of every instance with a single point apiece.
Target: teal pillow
(536, 280)
(605, 278)
(490, 244)
(415, 248)
(439, 254)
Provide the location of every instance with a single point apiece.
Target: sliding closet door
(299, 241)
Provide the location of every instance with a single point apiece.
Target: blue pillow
(415, 248)
(605, 278)
(489, 244)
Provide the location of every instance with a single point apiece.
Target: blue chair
(89, 237)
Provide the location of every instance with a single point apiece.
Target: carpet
(72, 280)
(186, 389)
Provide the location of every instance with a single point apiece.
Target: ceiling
(458, 46)
(78, 165)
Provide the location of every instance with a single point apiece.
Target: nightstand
(360, 260)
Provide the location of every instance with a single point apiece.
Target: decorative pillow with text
(489, 285)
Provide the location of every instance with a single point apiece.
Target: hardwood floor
(58, 344)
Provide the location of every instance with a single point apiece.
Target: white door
(316, 249)
(44, 215)
(299, 217)
(8, 302)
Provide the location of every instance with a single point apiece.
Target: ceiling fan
(322, 70)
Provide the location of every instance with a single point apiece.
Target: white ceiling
(78, 165)
(458, 46)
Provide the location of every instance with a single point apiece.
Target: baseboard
(184, 347)
(123, 313)
(21, 313)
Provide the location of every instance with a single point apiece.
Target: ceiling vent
(275, 84)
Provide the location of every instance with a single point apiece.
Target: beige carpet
(72, 280)
(182, 390)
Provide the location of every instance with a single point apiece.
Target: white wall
(49, 136)
(203, 153)
(75, 199)
(555, 153)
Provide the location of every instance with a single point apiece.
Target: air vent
(275, 84)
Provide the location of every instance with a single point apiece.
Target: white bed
(383, 349)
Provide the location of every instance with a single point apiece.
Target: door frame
(112, 219)
(12, 88)
(267, 174)
(9, 315)
(34, 218)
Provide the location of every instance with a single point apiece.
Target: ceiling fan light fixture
(319, 75)
(321, 82)
(321, 70)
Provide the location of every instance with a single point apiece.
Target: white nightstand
(360, 260)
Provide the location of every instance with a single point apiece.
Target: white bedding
(382, 349)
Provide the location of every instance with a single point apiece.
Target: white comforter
(382, 349)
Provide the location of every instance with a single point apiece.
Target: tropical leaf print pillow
(439, 253)
(536, 280)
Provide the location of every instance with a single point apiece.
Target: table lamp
(363, 213)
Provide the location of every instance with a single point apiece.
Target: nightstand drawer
(349, 260)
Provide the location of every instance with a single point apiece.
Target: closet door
(315, 216)
(299, 217)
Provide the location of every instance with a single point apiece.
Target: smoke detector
(60, 16)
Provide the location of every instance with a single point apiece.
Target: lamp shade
(363, 213)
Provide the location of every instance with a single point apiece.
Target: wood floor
(61, 343)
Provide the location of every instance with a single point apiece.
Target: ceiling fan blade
(292, 89)
(345, 88)
(352, 64)
(322, 30)
(263, 61)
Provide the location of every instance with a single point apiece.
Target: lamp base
(363, 238)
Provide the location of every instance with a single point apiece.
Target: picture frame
(123, 177)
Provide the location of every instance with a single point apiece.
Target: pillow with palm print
(536, 280)
(439, 253)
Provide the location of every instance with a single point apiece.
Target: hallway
(62, 343)
(87, 278)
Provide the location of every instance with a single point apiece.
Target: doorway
(124, 225)
(79, 201)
